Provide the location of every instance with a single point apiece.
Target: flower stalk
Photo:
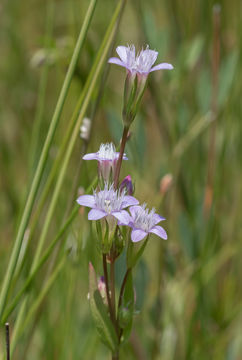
(113, 207)
(119, 163)
(105, 273)
(112, 288)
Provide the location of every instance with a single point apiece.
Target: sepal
(134, 252)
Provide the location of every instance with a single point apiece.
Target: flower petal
(162, 66)
(86, 200)
(158, 218)
(124, 156)
(91, 156)
(138, 235)
(116, 61)
(96, 214)
(134, 209)
(128, 201)
(151, 55)
(123, 217)
(158, 230)
(122, 53)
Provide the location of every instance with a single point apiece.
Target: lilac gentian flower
(108, 202)
(107, 158)
(144, 222)
(141, 64)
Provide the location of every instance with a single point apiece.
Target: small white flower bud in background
(85, 129)
(43, 56)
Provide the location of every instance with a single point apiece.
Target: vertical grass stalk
(208, 199)
(43, 158)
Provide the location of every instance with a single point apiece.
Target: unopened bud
(102, 288)
(166, 183)
(127, 185)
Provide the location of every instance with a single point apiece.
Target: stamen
(109, 199)
(144, 219)
(107, 151)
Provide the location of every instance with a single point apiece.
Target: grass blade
(43, 158)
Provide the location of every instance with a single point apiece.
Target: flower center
(143, 61)
(109, 200)
(144, 219)
(107, 152)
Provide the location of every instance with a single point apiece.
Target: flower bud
(102, 289)
(138, 66)
(127, 185)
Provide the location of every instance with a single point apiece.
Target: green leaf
(226, 76)
(204, 91)
(186, 236)
(115, 125)
(141, 282)
(195, 51)
(99, 312)
(134, 252)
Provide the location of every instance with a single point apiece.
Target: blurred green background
(189, 288)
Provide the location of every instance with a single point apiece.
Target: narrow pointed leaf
(100, 315)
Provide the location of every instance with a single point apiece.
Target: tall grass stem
(43, 158)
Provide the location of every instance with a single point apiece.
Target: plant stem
(121, 153)
(123, 287)
(112, 288)
(40, 105)
(7, 341)
(43, 259)
(43, 159)
(115, 356)
(105, 273)
(32, 310)
(77, 117)
(208, 199)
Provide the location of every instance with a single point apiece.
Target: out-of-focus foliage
(188, 289)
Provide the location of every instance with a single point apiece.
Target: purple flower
(142, 63)
(144, 222)
(108, 202)
(107, 158)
